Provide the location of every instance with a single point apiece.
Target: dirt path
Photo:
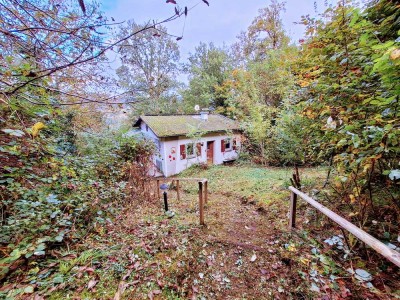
(242, 255)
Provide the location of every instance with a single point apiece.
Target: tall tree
(265, 33)
(149, 66)
(208, 68)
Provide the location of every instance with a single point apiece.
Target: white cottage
(179, 146)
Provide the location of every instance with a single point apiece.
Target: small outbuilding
(184, 140)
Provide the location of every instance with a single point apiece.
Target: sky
(220, 23)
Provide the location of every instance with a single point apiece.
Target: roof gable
(176, 125)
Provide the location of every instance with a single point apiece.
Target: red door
(210, 152)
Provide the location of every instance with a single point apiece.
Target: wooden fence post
(158, 188)
(292, 212)
(177, 190)
(205, 191)
(201, 205)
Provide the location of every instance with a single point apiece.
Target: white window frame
(193, 154)
(230, 141)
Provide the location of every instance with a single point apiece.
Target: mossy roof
(176, 125)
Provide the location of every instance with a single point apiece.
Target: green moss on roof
(164, 126)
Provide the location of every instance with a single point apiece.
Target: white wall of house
(158, 158)
(148, 132)
(173, 164)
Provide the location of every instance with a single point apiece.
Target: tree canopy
(150, 65)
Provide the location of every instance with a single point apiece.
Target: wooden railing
(368, 239)
(203, 191)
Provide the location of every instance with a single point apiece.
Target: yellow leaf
(357, 191)
(305, 261)
(36, 128)
(352, 198)
(367, 167)
(303, 83)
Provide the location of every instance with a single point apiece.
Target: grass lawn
(265, 185)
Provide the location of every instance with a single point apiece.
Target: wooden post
(205, 191)
(158, 188)
(292, 212)
(201, 205)
(177, 190)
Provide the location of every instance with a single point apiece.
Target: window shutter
(182, 151)
(222, 145)
(198, 146)
(234, 144)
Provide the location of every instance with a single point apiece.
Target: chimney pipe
(204, 114)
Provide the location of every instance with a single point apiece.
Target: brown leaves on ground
(244, 252)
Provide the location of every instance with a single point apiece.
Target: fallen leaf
(395, 54)
(127, 275)
(150, 295)
(363, 275)
(160, 284)
(92, 283)
(121, 289)
(315, 288)
(136, 265)
(275, 266)
(263, 271)
(36, 128)
(28, 289)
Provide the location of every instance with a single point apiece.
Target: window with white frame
(228, 144)
(190, 150)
